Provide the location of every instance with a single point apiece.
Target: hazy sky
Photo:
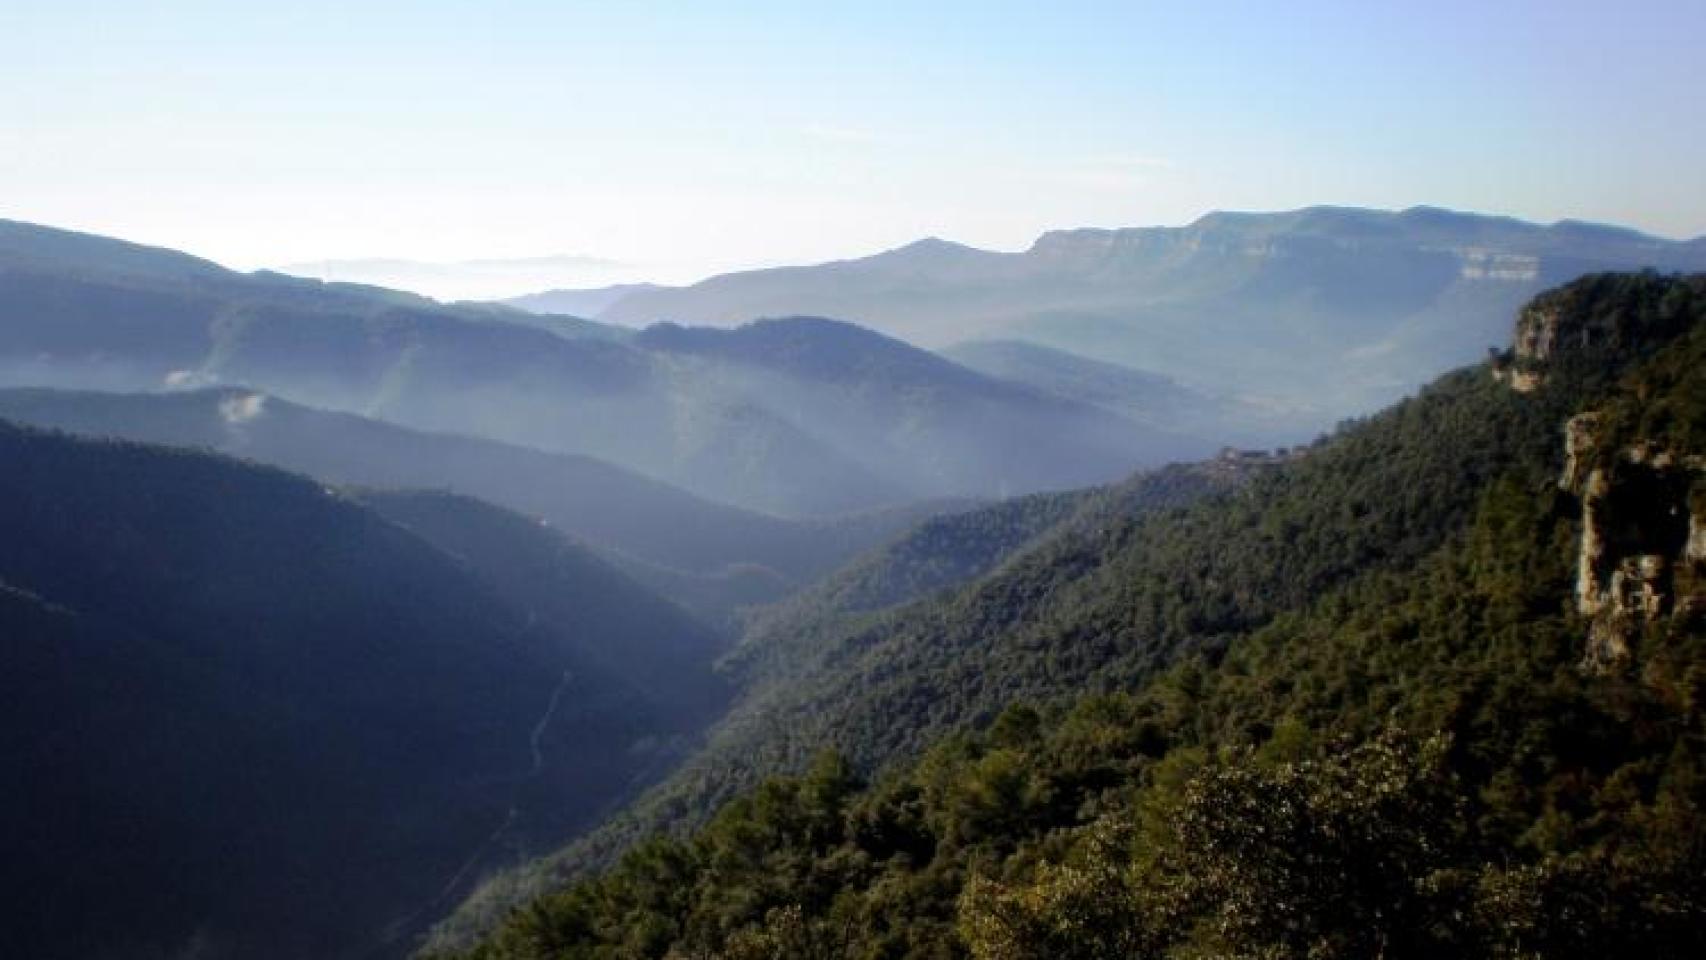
(686, 138)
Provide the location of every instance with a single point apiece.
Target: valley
(852, 481)
(995, 626)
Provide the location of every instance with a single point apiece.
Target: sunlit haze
(667, 146)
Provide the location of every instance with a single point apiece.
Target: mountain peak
(930, 250)
(928, 244)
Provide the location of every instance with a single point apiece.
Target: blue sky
(688, 138)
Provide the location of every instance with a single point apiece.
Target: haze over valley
(1316, 314)
(572, 481)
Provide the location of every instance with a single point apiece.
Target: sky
(669, 141)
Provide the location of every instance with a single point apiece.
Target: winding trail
(514, 812)
(545, 721)
(511, 816)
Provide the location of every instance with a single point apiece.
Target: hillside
(787, 641)
(614, 509)
(1136, 395)
(741, 424)
(804, 642)
(618, 626)
(913, 419)
(248, 716)
(1317, 314)
(1412, 572)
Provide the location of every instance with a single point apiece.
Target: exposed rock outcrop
(1596, 319)
(1538, 329)
(1537, 332)
(1641, 557)
(1642, 553)
(1581, 438)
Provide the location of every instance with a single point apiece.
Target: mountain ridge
(1333, 310)
(730, 428)
(603, 504)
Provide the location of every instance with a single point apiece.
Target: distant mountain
(577, 303)
(648, 523)
(1140, 396)
(1322, 312)
(738, 418)
(563, 325)
(481, 279)
(247, 716)
(910, 418)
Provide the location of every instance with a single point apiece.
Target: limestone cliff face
(1537, 333)
(1581, 439)
(1642, 552)
(1590, 318)
(1641, 558)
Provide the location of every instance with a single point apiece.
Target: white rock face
(1581, 436)
(1479, 264)
(1633, 563)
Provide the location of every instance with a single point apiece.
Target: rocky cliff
(1579, 323)
(1640, 480)
(1642, 551)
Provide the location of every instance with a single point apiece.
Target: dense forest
(245, 714)
(1342, 708)
(852, 481)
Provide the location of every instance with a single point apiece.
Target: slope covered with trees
(647, 523)
(247, 715)
(1345, 711)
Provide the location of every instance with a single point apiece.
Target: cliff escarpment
(1642, 552)
(1636, 466)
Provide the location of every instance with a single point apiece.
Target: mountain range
(1317, 314)
(795, 417)
(482, 279)
(332, 614)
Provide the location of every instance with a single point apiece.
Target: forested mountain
(689, 547)
(1319, 313)
(803, 645)
(1137, 395)
(787, 641)
(617, 626)
(1426, 688)
(742, 423)
(916, 420)
(247, 715)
